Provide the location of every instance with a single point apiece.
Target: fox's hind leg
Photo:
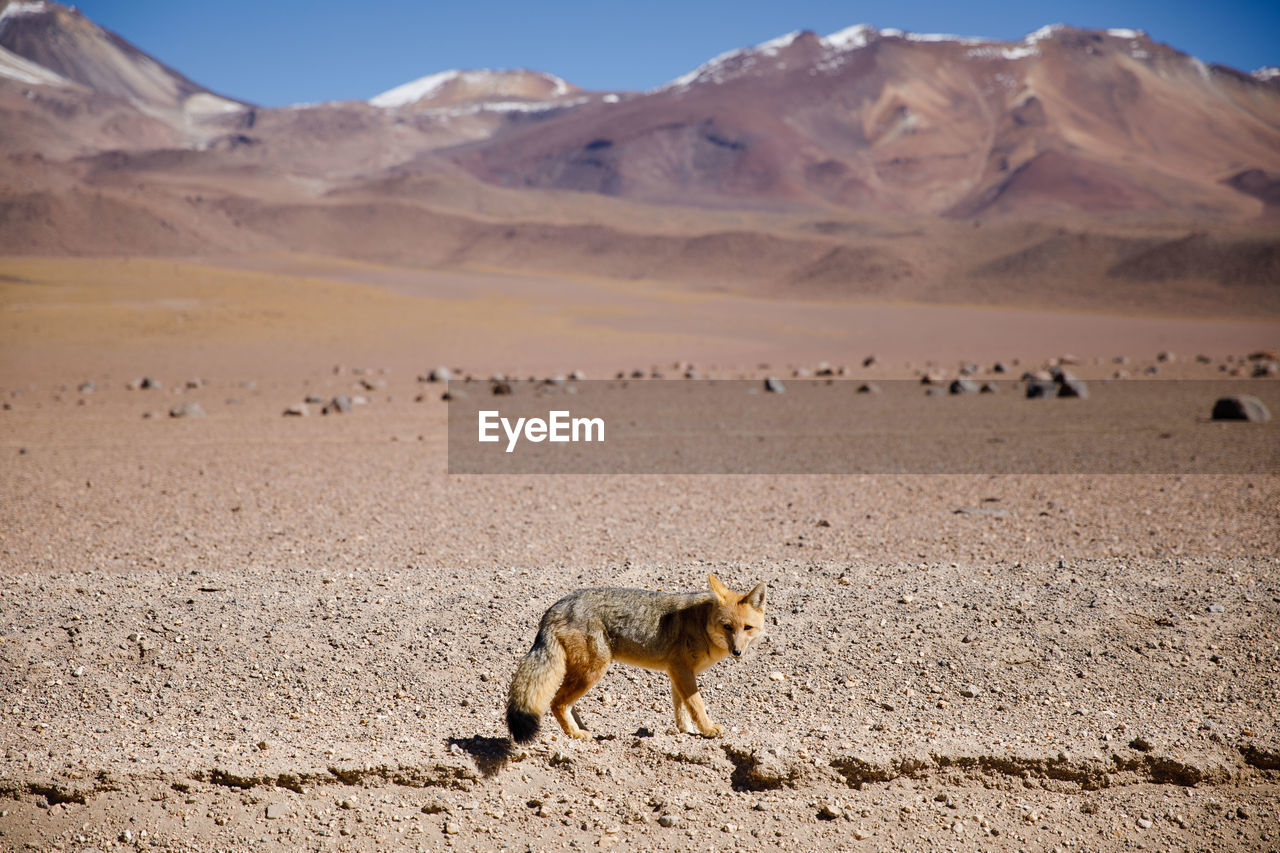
(585, 662)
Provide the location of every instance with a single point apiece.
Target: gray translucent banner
(851, 426)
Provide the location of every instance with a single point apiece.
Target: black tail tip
(522, 725)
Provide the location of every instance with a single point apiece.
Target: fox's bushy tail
(532, 687)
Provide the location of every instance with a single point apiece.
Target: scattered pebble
(189, 409)
(1041, 389)
(1073, 388)
(1244, 407)
(340, 404)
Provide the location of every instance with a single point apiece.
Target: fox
(680, 633)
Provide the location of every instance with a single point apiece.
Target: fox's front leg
(684, 689)
(683, 723)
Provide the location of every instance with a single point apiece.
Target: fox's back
(638, 625)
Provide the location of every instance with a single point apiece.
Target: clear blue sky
(276, 52)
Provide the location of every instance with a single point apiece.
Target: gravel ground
(244, 631)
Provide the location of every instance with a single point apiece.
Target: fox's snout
(737, 653)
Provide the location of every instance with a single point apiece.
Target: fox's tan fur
(678, 633)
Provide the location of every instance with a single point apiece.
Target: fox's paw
(713, 731)
(580, 734)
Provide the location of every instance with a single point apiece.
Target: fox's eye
(728, 626)
(749, 628)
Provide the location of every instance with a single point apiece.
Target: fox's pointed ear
(755, 598)
(722, 592)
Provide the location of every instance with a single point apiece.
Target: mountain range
(863, 163)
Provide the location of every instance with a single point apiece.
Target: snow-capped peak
(414, 90)
(835, 50)
(1270, 72)
(19, 7)
(735, 63)
(772, 46)
(852, 38)
(1045, 32)
(933, 37)
(707, 71)
(484, 81)
(732, 63)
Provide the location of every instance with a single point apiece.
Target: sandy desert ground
(246, 631)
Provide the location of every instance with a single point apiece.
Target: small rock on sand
(1073, 388)
(1040, 389)
(340, 404)
(187, 410)
(1244, 407)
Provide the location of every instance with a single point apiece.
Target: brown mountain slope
(1071, 169)
(86, 70)
(889, 122)
(70, 45)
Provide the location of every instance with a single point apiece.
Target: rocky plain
(249, 602)
(224, 627)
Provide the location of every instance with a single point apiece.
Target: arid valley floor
(246, 631)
